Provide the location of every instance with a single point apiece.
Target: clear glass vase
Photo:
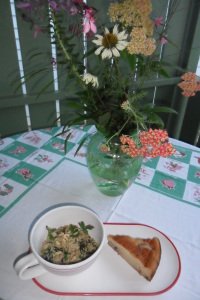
(112, 171)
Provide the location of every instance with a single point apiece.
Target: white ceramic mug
(33, 265)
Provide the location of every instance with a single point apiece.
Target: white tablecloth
(178, 220)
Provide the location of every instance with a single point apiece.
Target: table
(35, 173)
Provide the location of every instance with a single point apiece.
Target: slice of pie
(142, 254)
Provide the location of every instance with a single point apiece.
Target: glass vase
(112, 171)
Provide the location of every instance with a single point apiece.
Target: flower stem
(119, 131)
(66, 54)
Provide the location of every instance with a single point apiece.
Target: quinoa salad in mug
(68, 244)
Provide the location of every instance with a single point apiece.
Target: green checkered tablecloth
(26, 158)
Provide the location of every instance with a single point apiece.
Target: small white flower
(111, 43)
(89, 78)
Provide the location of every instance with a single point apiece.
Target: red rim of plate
(118, 293)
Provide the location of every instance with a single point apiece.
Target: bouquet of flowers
(110, 76)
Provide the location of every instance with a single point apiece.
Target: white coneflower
(89, 78)
(111, 43)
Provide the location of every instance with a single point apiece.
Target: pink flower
(53, 5)
(89, 21)
(163, 40)
(158, 21)
(78, 1)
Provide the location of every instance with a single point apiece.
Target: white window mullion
(20, 61)
(55, 73)
(198, 68)
(85, 58)
(161, 49)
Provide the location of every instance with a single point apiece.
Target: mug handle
(28, 267)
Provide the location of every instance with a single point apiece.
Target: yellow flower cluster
(135, 14)
(140, 43)
(130, 12)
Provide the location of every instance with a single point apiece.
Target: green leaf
(83, 140)
(63, 131)
(131, 58)
(65, 256)
(84, 227)
(104, 119)
(74, 231)
(155, 119)
(29, 76)
(51, 231)
(44, 88)
(163, 72)
(66, 140)
(164, 109)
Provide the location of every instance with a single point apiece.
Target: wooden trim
(20, 100)
(161, 82)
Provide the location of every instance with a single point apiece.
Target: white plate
(111, 275)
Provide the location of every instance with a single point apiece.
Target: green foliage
(84, 227)
(116, 103)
